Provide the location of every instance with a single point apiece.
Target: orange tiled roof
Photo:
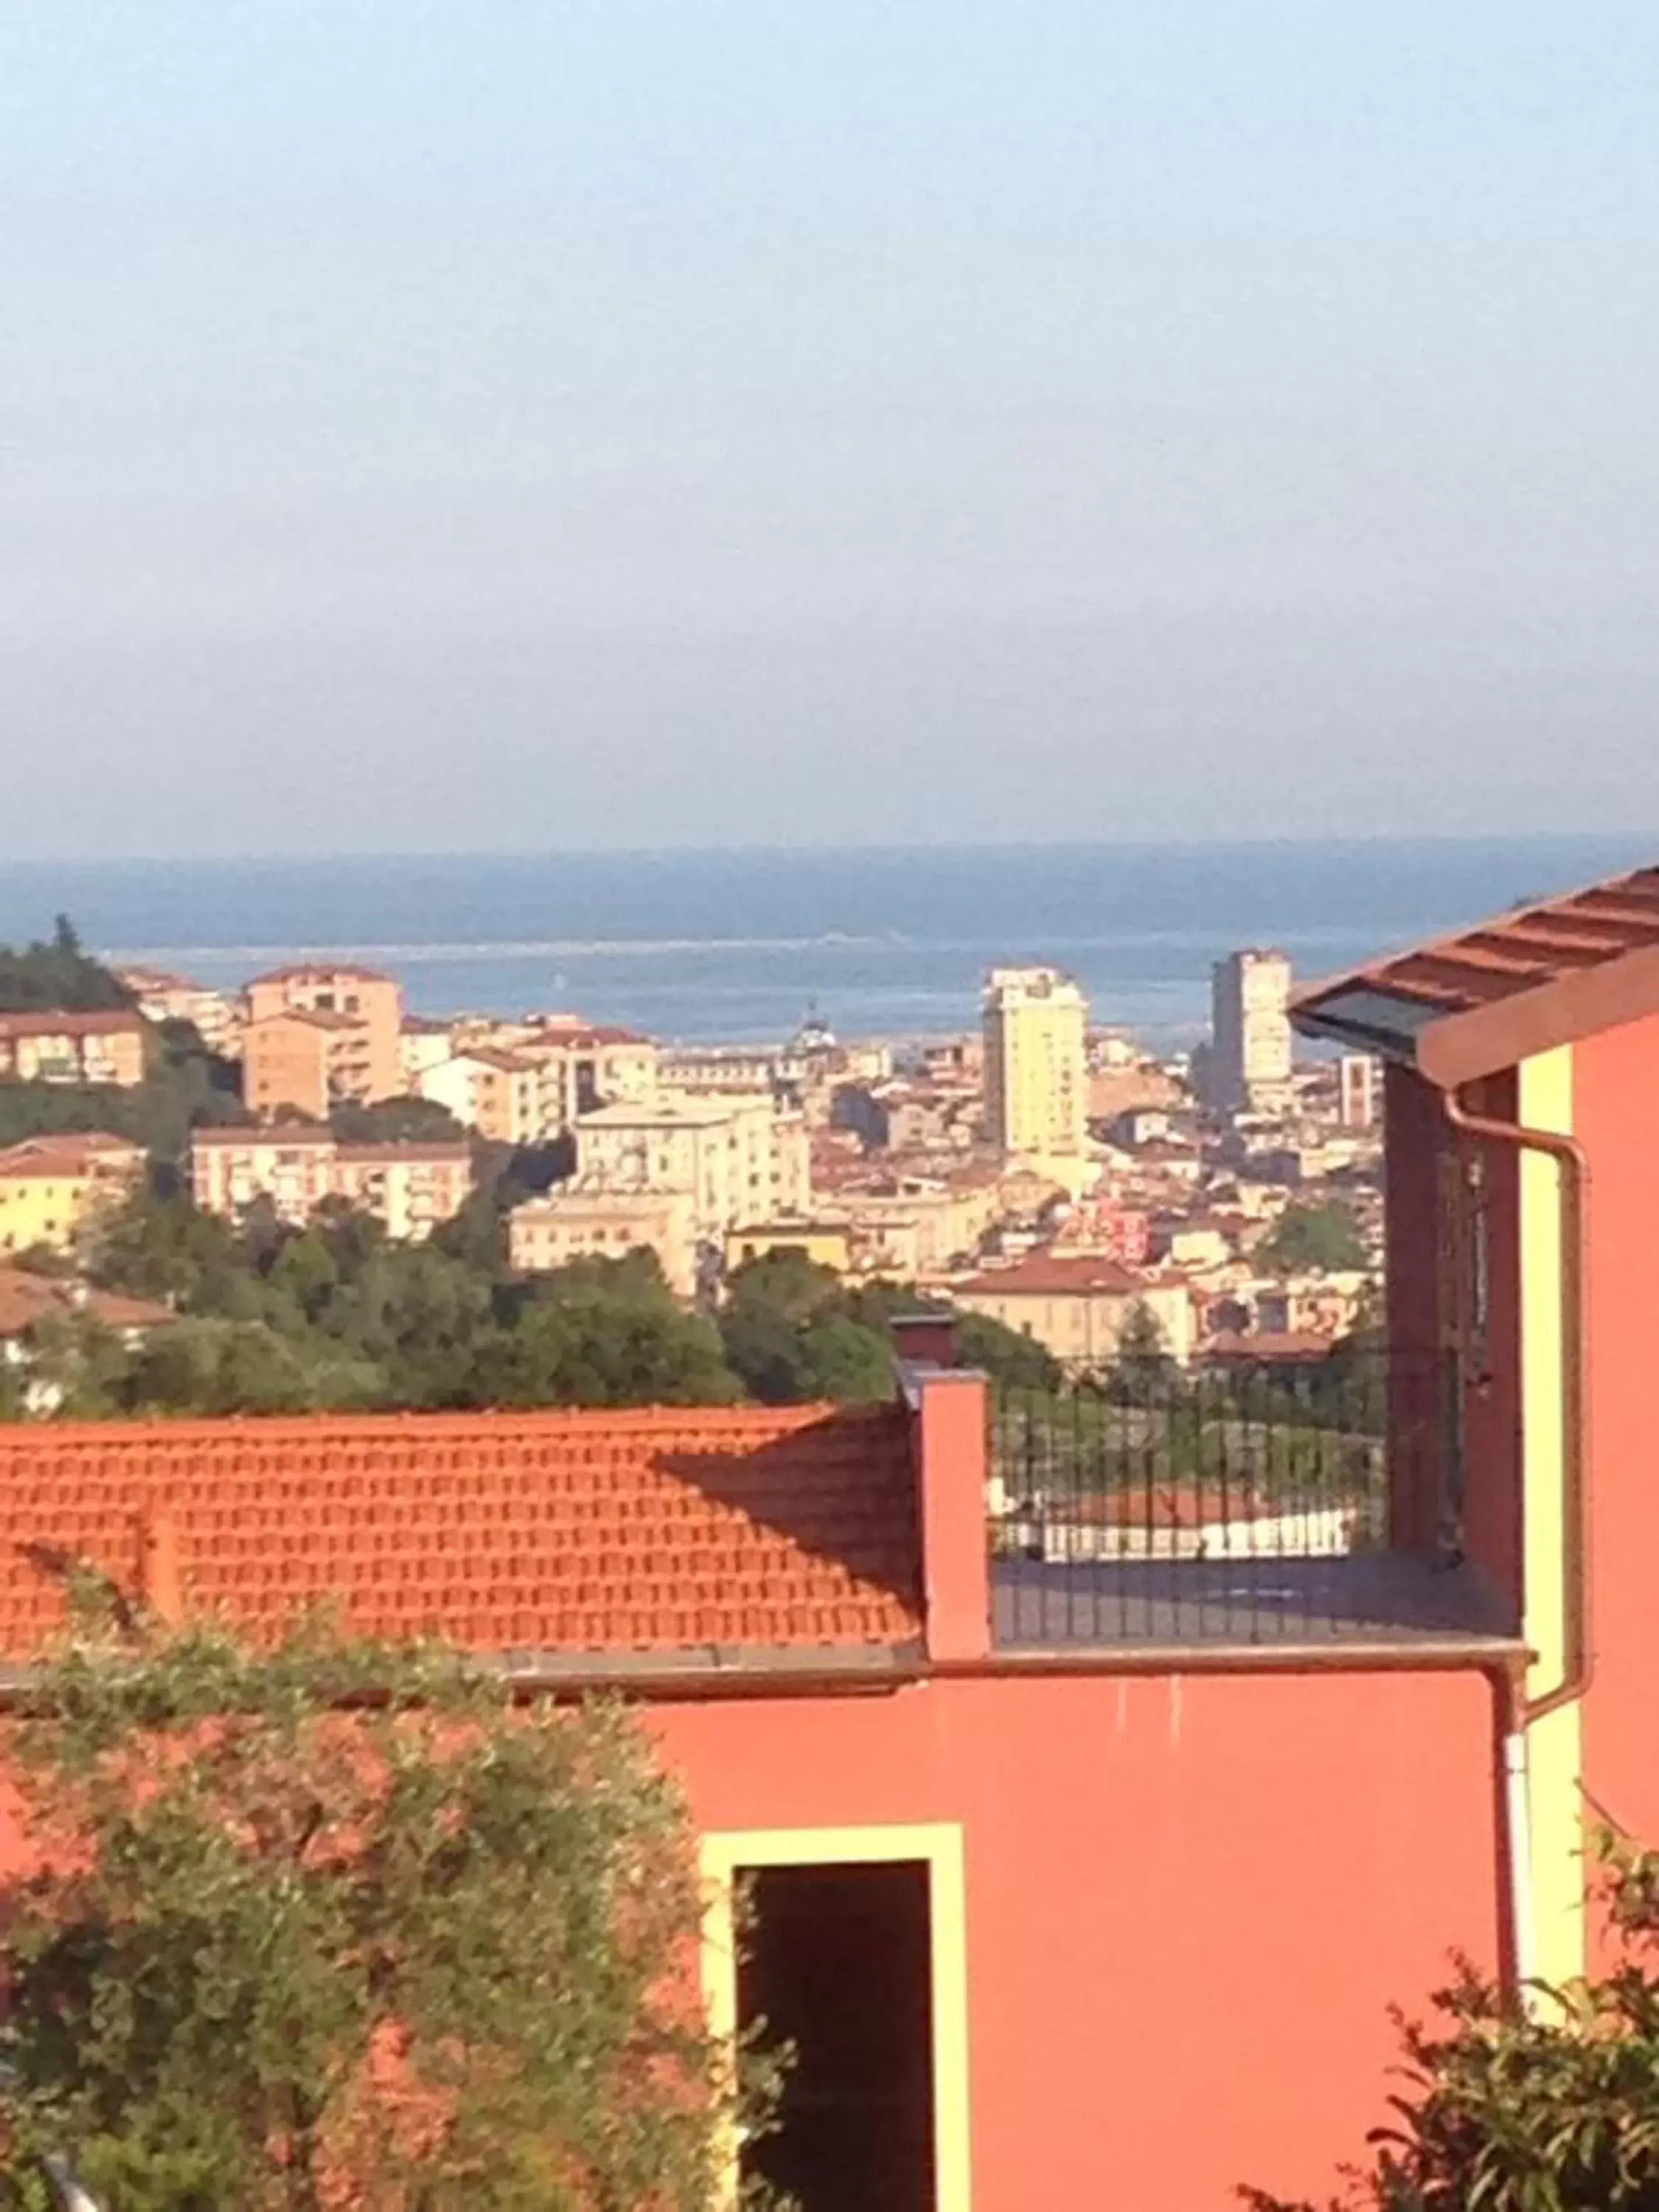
(27, 1299)
(667, 1531)
(54, 1022)
(67, 1152)
(1539, 976)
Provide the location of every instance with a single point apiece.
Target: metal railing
(1247, 1502)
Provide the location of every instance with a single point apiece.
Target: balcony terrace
(1154, 1507)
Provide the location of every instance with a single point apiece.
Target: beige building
(499, 1094)
(589, 1220)
(304, 1063)
(51, 1046)
(1037, 1072)
(165, 997)
(1077, 1307)
(914, 1226)
(52, 1189)
(1250, 1059)
(738, 1160)
(345, 998)
(826, 1243)
(1359, 1090)
(581, 1066)
(408, 1188)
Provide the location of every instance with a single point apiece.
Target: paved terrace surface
(1362, 1598)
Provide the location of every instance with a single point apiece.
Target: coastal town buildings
(580, 1065)
(588, 1218)
(409, 1189)
(53, 1188)
(320, 1034)
(422, 1043)
(1078, 1307)
(738, 1159)
(162, 996)
(49, 1045)
(1036, 1098)
(1249, 1067)
(499, 1094)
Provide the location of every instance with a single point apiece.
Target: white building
(738, 1159)
(1249, 1058)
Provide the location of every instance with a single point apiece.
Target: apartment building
(52, 1189)
(1037, 1072)
(916, 1226)
(1249, 1067)
(408, 1188)
(49, 1045)
(411, 1188)
(738, 1159)
(162, 996)
(500, 1094)
(580, 1065)
(588, 1219)
(370, 1004)
(305, 1063)
(1078, 1307)
(421, 1043)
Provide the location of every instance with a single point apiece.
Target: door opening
(839, 1963)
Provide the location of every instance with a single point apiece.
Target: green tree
(1013, 1360)
(396, 1122)
(57, 973)
(1325, 1237)
(1552, 2106)
(603, 1333)
(846, 1361)
(289, 1946)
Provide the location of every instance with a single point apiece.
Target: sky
(547, 423)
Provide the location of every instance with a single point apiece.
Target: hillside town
(1044, 1172)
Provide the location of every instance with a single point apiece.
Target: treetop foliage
(333, 1923)
(58, 973)
(1325, 1237)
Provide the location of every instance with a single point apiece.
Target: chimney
(947, 1408)
(160, 1587)
(925, 1339)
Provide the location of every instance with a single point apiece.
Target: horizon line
(899, 849)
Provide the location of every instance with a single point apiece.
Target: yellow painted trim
(1554, 1745)
(939, 1845)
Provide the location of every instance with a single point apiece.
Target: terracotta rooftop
(572, 1535)
(26, 1299)
(67, 1152)
(436, 1152)
(242, 1137)
(1238, 1345)
(1530, 980)
(54, 1021)
(318, 971)
(1057, 1274)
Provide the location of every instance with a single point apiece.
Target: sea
(739, 946)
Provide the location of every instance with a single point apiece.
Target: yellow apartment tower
(1037, 1072)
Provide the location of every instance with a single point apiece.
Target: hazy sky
(516, 424)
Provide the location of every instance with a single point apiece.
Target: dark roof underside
(1522, 983)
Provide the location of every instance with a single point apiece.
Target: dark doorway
(838, 1964)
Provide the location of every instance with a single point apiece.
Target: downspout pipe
(1573, 1165)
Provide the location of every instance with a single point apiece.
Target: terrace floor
(1356, 1598)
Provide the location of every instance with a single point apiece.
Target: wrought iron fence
(1153, 1503)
